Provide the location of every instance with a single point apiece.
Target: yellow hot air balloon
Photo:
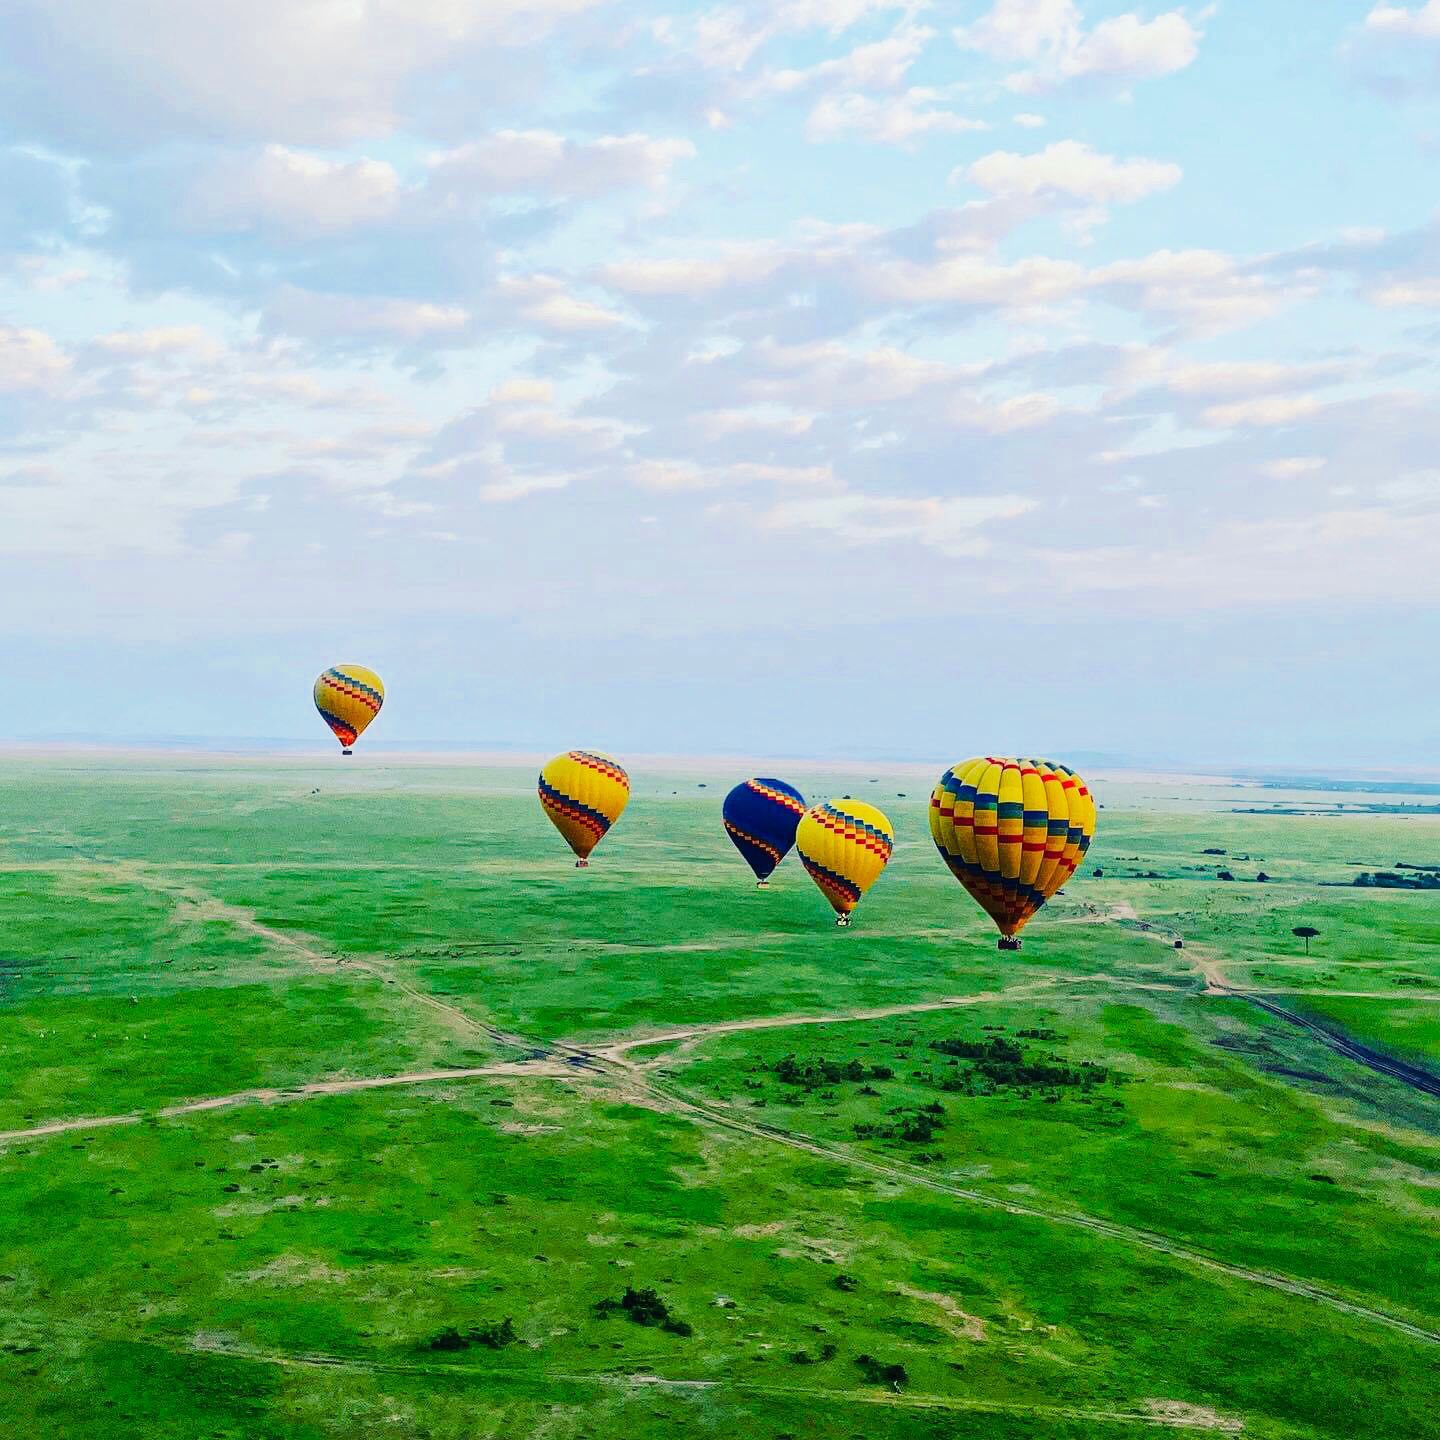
(1012, 832)
(584, 794)
(844, 844)
(348, 698)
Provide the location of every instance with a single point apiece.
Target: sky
(787, 377)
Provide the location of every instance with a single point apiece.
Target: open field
(315, 1073)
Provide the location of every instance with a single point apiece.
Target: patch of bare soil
(1183, 1415)
(294, 1270)
(963, 1325)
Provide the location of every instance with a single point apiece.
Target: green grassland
(884, 1181)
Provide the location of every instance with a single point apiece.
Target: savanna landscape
(335, 1101)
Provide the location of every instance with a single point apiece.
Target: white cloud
(1220, 378)
(882, 65)
(1423, 23)
(952, 525)
(1004, 416)
(720, 424)
(291, 191)
(1024, 29)
(1130, 48)
(830, 375)
(160, 340)
(805, 477)
(682, 474)
(544, 301)
(795, 17)
(529, 161)
(517, 487)
(1029, 122)
(886, 120)
(1050, 35)
(323, 317)
(669, 475)
(729, 37)
(525, 408)
(30, 360)
(1424, 293)
(578, 435)
(864, 94)
(971, 280)
(523, 390)
(1292, 467)
(1201, 291)
(313, 73)
(46, 277)
(393, 508)
(1264, 410)
(739, 264)
(1204, 290)
(1073, 169)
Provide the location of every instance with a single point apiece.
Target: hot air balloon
(760, 817)
(348, 698)
(583, 794)
(844, 844)
(1012, 832)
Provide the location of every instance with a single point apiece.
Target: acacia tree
(1306, 933)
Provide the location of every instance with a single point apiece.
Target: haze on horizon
(775, 377)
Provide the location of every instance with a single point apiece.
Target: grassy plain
(1232, 1228)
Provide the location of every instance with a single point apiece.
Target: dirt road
(1156, 1414)
(265, 1096)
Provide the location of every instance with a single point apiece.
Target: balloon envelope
(1012, 832)
(583, 793)
(761, 817)
(348, 698)
(844, 844)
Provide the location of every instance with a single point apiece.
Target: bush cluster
(644, 1307)
(493, 1337)
(813, 1073)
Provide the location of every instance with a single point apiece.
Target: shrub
(880, 1372)
(644, 1307)
(494, 1337)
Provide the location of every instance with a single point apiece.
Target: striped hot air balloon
(1012, 832)
(583, 793)
(844, 844)
(348, 698)
(760, 817)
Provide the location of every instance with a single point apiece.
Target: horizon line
(292, 749)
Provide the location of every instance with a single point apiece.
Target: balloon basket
(842, 919)
(1009, 942)
(347, 752)
(582, 864)
(762, 884)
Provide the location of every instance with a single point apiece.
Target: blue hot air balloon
(760, 817)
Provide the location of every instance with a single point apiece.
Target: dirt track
(265, 1096)
(694, 1034)
(1162, 1414)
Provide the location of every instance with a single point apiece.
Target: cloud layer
(555, 307)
